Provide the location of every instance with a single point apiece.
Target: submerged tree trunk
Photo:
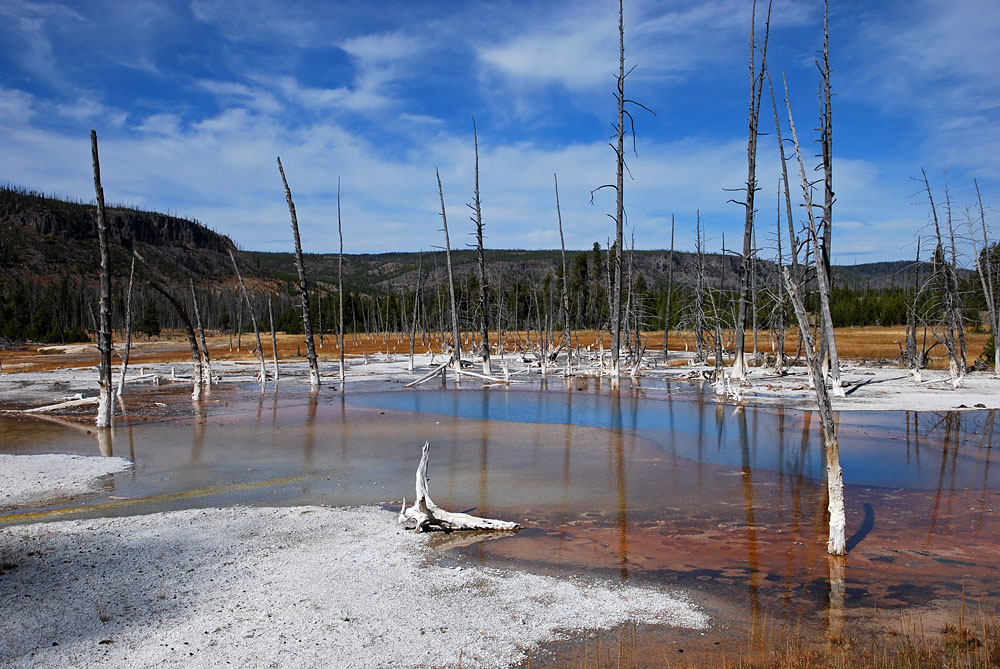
(104, 327)
(303, 287)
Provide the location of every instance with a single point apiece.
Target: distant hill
(44, 238)
(49, 271)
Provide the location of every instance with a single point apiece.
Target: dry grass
(872, 343)
(905, 644)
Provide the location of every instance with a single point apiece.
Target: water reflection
(868, 455)
(641, 489)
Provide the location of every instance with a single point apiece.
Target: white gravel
(31, 479)
(281, 587)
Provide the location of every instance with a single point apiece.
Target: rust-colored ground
(871, 343)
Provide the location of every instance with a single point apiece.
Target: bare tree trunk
(128, 329)
(616, 310)
(303, 288)
(670, 292)
(828, 345)
(739, 371)
(985, 270)
(484, 333)
(567, 332)
(701, 355)
(239, 328)
(104, 330)
(779, 320)
(956, 291)
(823, 281)
(416, 306)
(456, 335)
(793, 241)
(912, 361)
(319, 313)
(274, 339)
(340, 289)
(206, 364)
(836, 542)
(253, 318)
(942, 267)
(192, 339)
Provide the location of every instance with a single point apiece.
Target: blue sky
(193, 101)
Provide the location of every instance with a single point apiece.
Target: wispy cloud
(937, 64)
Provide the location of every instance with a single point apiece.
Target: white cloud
(936, 63)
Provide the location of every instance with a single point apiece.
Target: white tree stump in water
(428, 516)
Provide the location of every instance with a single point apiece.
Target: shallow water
(653, 485)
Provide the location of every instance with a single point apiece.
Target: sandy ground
(32, 479)
(868, 388)
(289, 587)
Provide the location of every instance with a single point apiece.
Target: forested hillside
(49, 263)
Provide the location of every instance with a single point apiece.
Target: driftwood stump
(427, 516)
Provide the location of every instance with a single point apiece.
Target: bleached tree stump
(427, 516)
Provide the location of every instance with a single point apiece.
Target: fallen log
(427, 516)
(75, 402)
(429, 375)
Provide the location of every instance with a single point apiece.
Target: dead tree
(822, 280)
(455, 333)
(104, 329)
(793, 240)
(128, 329)
(943, 271)
(828, 344)
(476, 206)
(253, 318)
(427, 516)
(564, 301)
(778, 315)
(615, 292)
(836, 543)
(274, 339)
(985, 268)
(670, 291)
(192, 339)
(739, 370)
(412, 330)
(206, 363)
(955, 289)
(701, 354)
(303, 287)
(340, 290)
